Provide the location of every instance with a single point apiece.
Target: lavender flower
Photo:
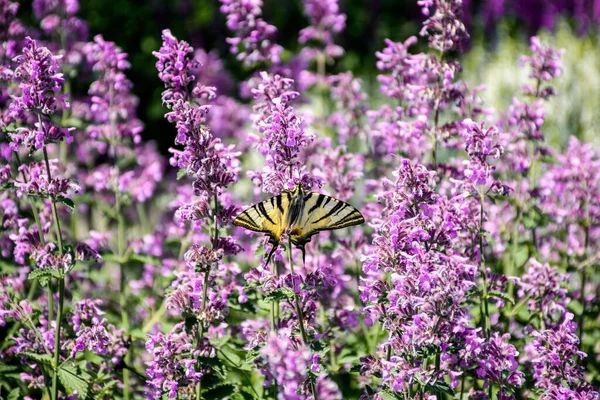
(173, 365)
(443, 26)
(325, 21)
(544, 285)
(555, 357)
(545, 63)
(255, 39)
(284, 134)
(39, 77)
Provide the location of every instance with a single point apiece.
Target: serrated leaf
(7, 268)
(66, 201)
(6, 368)
(43, 273)
(106, 390)
(281, 294)
(220, 391)
(13, 395)
(501, 295)
(182, 173)
(146, 259)
(41, 358)
(388, 395)
(74, 380)
(441, 387)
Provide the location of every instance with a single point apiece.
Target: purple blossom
(39, 77)
(255, 39)
(38, 183)
(113, 107)
(545, 63)
(284, 133)
(481, 145)
(175, 66)
(351, 105)
(173, 365)
(444, 26)
(212, 164)
(325, 21)
(544, 286)
(498, 364)
(555, 358)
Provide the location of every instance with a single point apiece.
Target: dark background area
(136, 26)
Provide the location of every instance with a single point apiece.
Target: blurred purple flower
(255, 39)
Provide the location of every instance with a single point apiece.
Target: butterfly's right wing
(323, 213)
(269, 216)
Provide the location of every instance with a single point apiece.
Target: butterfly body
(300, 213)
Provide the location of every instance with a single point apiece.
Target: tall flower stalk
(211, 165)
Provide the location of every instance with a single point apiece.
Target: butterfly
(300, 213)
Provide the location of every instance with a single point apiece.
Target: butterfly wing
(268, 217)
(323, 213)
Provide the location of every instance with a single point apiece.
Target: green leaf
(66, 201)
(43, 273)
(41, 358)
(74, 380)
(7, 267)
(6, 368)
(146, 259)
(182, 173)
(106, 390)
(441, 387)
(389, 395)
(92, 357)
(13, 395)
(220, 391)
(281, 294)
(501, 295)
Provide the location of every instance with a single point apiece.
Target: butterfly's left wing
(323, 213)
(268, 216)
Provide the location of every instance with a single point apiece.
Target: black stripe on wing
(335, 209)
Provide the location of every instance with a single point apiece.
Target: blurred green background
(499, 30)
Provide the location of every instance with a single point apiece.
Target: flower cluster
(554, 357)
(284, 133)
(255, 39)
(444, 25)
(40, 79)
(325, 21)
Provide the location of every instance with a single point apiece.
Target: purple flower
(545, 63)
(113, 106)
(255, 39)
(284, 133)
(544, 286)
(555, 357)
(325, 21)
(40, 79)
(498, 364)
(38, 183)
(172, 366)
(481, 145)
(175, 66)
(351, 105)
(444, 26)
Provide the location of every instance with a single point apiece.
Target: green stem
(61, 281)
(586, 224)
(300, 316)
(484, 298)
(201, 326)
(462, 385)
(56, 363)
(38, 223)
(121, 244)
